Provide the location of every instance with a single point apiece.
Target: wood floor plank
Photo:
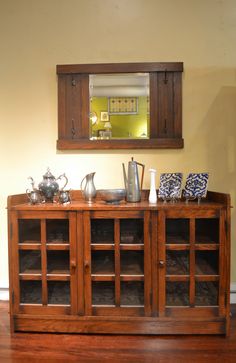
(50, 348)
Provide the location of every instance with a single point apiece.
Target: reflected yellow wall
(123, 125)
(37, 35)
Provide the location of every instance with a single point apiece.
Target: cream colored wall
(37, 35)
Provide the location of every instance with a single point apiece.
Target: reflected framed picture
(123, 105)
(104, 116)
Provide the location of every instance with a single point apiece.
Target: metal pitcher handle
(143, 167)
(28, 191)
(66, 179)
(81, 184)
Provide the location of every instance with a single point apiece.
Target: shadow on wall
(219, 129)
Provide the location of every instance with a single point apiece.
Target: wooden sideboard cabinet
(132, 268)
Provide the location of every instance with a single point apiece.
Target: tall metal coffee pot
(132, 184)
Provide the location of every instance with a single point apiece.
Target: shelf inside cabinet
(30, 262)
(177, 293)
(207, 262)
(206, 293)
(29, 231)
(58, 263)
(30, 292)
(131, 263)
(207, 231)
(103, 293)
(177, 262)
(131, 231)
(58, 292)
(57, 231)
(177, 231)
(103, 263)
(102, 231)
(132, 293)
(102, 247)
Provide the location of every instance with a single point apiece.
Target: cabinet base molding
(93, 325)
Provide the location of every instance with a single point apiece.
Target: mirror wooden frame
(165, 106)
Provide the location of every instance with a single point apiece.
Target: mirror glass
(119, 106)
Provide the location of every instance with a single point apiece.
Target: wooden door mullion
(192, 261)
(147, 264)
(14, 255)
(73, 263)
(154, 259)
(87, 264)
(117, 261)
(222, 264)
(161, 263)
(44, 262)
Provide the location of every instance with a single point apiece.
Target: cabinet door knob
(161, 263)
(86, 265)
(73, 264)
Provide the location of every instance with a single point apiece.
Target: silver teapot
(49, 186)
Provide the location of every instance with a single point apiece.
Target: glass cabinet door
(191, 262)
(117, 260)
(46, 251)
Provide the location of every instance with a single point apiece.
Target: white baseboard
(233, 293)
(4, 293)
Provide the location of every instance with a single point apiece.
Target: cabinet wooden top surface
(214, 200)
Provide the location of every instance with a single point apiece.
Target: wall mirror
(120, 106)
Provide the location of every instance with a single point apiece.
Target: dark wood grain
(119, 67)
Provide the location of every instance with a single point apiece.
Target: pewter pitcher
(132, 185)
(89, 190)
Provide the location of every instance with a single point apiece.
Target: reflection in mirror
(119, 106)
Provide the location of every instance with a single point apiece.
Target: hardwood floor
(50, 348)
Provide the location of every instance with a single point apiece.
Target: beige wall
(37, 35)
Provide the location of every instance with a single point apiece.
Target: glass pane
(177, 262)
(59, 292)
(207, 230)
(131, 231)
(207, 262)
(103, 293)
(131, 263)
(29, 231)
(132, 293)
(177, 293)
(177, 231)
(119, 106)
(103, 262)
(58, 262)
(206, 293)
(102, 231)
(30, 261)
(30, 292)
(57, 230)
